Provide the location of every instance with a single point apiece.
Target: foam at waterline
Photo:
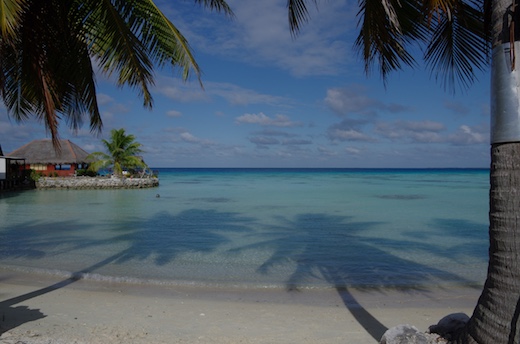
(127, 280)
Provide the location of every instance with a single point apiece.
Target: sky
(273, 100)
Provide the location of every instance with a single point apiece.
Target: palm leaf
(218, 5)
(458, 46)
(165, 44)
(10, 13)
(114, 45)
(298, 14)
(386, 29)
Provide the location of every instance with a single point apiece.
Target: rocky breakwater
(79, 183)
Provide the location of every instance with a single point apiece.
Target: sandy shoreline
(51, 310)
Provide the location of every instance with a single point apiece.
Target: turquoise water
(249, 228)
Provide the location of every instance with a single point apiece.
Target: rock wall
(96, 183)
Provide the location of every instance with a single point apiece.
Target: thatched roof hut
(43, 152)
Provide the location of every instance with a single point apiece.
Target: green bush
(34, 175)
(85, 173)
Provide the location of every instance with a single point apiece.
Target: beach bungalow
(12, 172)
(42, 157)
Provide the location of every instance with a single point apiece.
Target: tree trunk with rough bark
(495, 319)
(496, 316)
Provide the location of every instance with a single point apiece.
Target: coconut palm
(458, 35)
(122, 152)
(47, 49)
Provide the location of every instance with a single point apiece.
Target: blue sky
(273, 101)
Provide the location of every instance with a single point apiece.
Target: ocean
(259, 228)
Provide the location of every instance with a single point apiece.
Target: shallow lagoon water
(259, 228)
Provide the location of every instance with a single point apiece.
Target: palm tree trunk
(496, 316)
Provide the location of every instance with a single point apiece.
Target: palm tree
(122, 152)
(458, 35)
(47, 49)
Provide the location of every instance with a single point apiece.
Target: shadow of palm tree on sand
(324, 247)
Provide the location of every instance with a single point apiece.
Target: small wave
(106, 279)
(402, 197)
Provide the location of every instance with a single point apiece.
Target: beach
(46, 309)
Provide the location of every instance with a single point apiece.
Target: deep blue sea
(266, 228)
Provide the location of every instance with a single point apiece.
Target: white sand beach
(50, 310)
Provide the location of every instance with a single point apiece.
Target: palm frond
(298, 14)
(164, 42)
(218, 5)
(114, 45)
(458, 46)
(385, 34)
(10, 13)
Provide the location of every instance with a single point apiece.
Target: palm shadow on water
(164, 237)
(160, 238)
(328, 248)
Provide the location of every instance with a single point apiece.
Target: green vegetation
(35, 175)
(121, 154)
(85, 173)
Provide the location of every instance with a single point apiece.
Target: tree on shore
(47, 49)
(122, 151)
(459, 35)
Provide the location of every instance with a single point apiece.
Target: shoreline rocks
(78, 183)
(446, 329)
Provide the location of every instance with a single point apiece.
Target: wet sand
(44, 309)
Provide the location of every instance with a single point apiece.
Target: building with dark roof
(42, 157)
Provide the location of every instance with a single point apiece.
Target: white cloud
(415, 131)
(274, 132)
(421, 126)
(237, 95)
(456, 107)
(354, 100)
(349, 135)
(187, 137)
(432, 132)
(173, 113)
(352, 150)
(467, 135)
(175, 89)
(349, 130)
(233, 94)
(104, 99)
(264, 140)
(89, 147)
(182, 94)
(264, 120)
(325, 151)
(190, 138)
(296, 142)
(259, 35)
